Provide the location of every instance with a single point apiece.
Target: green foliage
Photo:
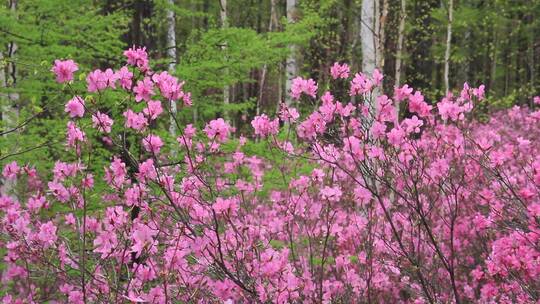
(223, 57)
(45, 30)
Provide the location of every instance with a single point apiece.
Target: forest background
(238, 57)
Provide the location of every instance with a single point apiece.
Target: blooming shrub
(432, 208)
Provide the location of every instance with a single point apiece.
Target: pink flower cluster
(263, 126)
(340, 71)
(305, 86)
(170, 89)
(365, 206)
(64, 70)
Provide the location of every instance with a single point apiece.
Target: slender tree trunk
(226, 88)
(401, 35)
(356, 51)
(9, 98)
(368, 33)
(382, 35)
(369, 29)
(291, 67)
(448, 44)
(399, 49)
(171, 54)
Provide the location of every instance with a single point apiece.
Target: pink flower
(402, 93)
(536, 99)
(339, 71)
(355, 147)
(362, 194)
(306, 86)
(125, 77)
(264, 126)
(64, 70)
(448, 109)
(225, 205)
(35, 203)
(287, 114)
(187, 99)
(313, 125)
(87, 182)
(418, 105)
(102, 122)
(76, 297)
(115, 174)
(11, 170)
(47, 234)
(152, 143)
(147, 170)
(105, 243)
(65, 170)
(70, 219)
(396, 136)
(189, 131)
(134, 194)
(142, 236)
(75, 107)
(377, 77)
(479, 92)
(360, 85)
(136, 121)
(412, 124)
(168, 85)
(111, 78)
(332, 194)
(153, 109)
(59, 191)
(218, 130)
(144, 89)
(97, 81)
(74, 134)
(378, 129)
(137, 57)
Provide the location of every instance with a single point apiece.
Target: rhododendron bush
(431, 208)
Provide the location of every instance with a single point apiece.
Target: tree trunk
(369, 29)
(291, 66)
(401, 35)
(382, 35)
(368, 32)
(226, 88)
(171, 54)
(9, 100)
(448, 45)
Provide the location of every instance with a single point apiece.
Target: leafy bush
(350, 204)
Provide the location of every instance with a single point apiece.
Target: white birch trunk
(448, 45)
(291, 65)
(369, 29)
(368, 32)
(399, 49)
(171, 53)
